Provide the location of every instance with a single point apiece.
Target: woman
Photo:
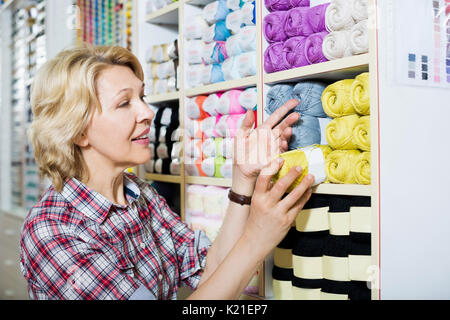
(99, 233)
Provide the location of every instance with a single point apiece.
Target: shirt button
(160, 277)
(142, 245)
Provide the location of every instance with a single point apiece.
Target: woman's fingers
(263, 183)
(247, 124)
(281, 186)
(293, 196)
(288, 121)
(292, 213)
(279, 114)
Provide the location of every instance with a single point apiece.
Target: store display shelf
(221, 182)
(331, 70)
(344, 189)
(159, 98)
(222, 86)
(166, 15)
(163, 178)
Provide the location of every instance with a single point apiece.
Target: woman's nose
(144, 113)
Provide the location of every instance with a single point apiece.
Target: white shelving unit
(160, 25)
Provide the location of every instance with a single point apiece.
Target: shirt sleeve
(191, 246)
(62, 266)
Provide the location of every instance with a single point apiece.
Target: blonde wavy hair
(63, 100)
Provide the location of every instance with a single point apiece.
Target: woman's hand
(270, 215)
(254, 149)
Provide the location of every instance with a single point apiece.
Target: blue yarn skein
(305, 132)
(278, 95)
(221, 33)
(222, 10)
(216, 73)
(309, 93)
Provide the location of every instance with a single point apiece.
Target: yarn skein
(273, 26)
(338, 15)
(273, 58)
(278, 95)
(278, 5)
(360, 94)
(340, 164)
(305, 132)
(316, 18)
(215, 11)
(336, 45)
(361, 133)
(294, 52)
(359, 38)
(313, 48)
(362, 168)
(336, 100)
(309, 93)
(311, 159)
(339, 132)
(296, 23)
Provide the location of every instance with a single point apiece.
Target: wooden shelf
(159, 98)
(209, 181)
(222, 86)
(166, 15)
(163, 178)
(334, 70)
(344, 189)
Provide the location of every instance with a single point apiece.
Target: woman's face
(120, 133)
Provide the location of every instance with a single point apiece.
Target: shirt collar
(93, 204)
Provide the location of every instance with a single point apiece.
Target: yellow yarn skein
(361, 133)
(362, 168)
(360, 94)
(340, 164)
(339, 132)
(336, 100)
(295, 158)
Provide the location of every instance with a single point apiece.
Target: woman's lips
(145, 141)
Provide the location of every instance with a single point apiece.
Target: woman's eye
(124, 104)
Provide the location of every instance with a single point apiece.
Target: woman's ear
(82, 140)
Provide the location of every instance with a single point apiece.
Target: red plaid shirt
(78, 245)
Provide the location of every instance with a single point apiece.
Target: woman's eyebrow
(129, 89)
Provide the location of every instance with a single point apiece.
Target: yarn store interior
(376, 224)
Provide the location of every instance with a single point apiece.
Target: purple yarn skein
(278, 5)
(316, 17)
(313, 48)
(296, 23)
(294, 52)
(274, 26)
(273, 58)
(299, 3)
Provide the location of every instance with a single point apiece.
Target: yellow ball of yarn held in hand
(360, 94)
(299, 158)
(336, 99)
(294, 158)
(339, 132)
(340, 164)
(362, 168)
(361, 133)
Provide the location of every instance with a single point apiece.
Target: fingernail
(299, 169)
(280, 160)
(310, 177)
